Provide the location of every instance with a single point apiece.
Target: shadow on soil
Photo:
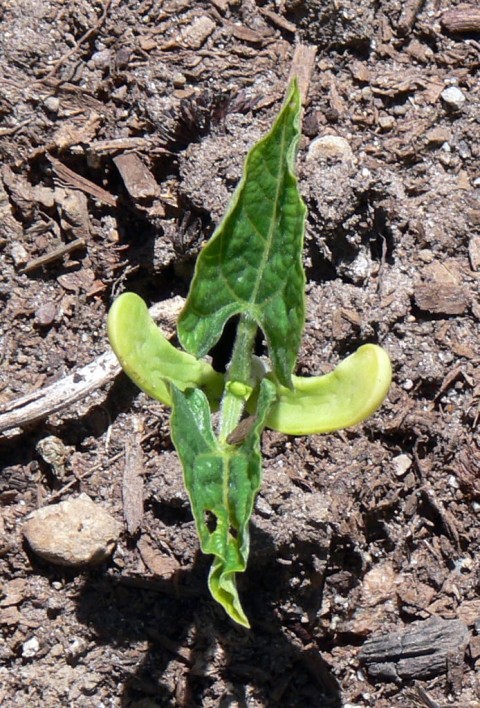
(191, 644)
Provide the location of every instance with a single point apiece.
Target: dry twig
(63, 393)
(85, 185)
(54, 255)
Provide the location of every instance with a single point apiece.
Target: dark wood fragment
(183, 654)
(278, 20)
(421, 652)
(239, 434)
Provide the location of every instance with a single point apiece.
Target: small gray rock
(75, 532)
(453, 97)
(52, 104)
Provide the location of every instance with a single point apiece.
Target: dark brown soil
(358, 534)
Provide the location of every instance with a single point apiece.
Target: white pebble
(452, 481)
(19, 254)
(453, 97)
(401, 464)
(52, 103)
(30, 648)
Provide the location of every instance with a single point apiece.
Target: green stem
(239, 376)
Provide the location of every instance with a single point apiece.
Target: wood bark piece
(101, 147)
(442, 291)
(158, 563)
(303, 64)
(421, 652)
(245, 34)
(408, 16)
(462, 19)
(137, 178)
(63, 393)
(449, 299)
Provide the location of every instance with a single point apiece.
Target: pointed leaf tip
(253, 263)
(222, 482)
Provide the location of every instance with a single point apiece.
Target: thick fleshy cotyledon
(251, 268)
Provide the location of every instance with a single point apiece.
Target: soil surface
(124, 126)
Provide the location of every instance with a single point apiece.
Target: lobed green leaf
(252, 265)
(222, 482)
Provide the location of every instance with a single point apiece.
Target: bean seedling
(251, 268)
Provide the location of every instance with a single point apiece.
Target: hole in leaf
(210, 521)
(221, 353)
(233, 532)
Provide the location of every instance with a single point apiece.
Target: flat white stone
(73, 533)
(330, 147)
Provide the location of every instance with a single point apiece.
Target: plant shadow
(189, 649)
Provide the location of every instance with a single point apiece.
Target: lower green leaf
(222, 482)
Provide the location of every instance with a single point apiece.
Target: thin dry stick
(61, 394)
(81, 477)
(54, 255)
(85, 185)
(14, 129)
(132, 483)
